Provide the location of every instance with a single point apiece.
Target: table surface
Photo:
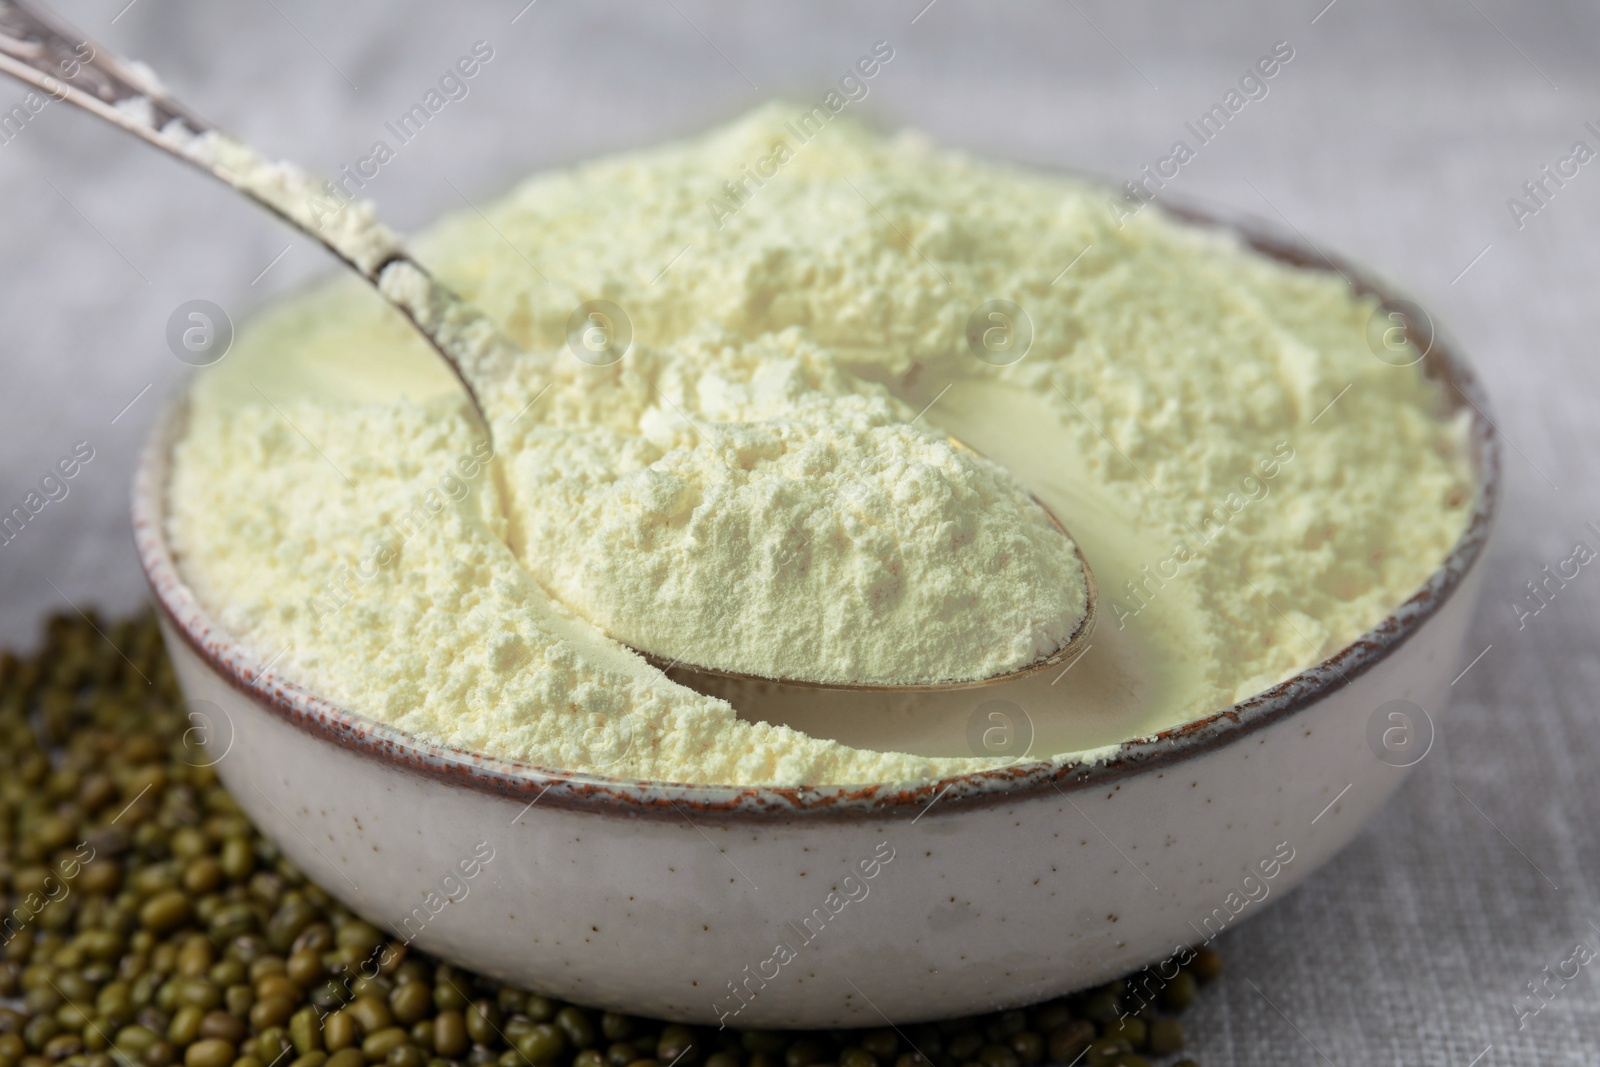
(1397, 135)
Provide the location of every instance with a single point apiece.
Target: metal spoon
(39, 49)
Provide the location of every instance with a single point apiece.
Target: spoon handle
(41, 50)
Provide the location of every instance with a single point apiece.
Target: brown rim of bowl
(598, 794)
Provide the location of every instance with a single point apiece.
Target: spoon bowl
(1076, 642)
(42, 51)
(1074, 645)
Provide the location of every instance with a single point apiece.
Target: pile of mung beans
(146, 923)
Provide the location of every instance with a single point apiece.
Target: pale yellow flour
(1165, 408)
(750, 507)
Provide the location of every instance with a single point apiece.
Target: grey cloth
(1396, 134)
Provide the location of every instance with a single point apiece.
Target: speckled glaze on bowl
(832, 907)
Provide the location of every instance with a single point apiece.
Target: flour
(355, 233)
(1165, 365)
(743, 520)
(473, 342)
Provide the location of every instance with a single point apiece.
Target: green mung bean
(188, 939)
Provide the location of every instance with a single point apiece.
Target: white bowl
(891, 902)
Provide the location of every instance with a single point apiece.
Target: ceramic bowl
(837, 907)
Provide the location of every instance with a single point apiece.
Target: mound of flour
(329, 506)
(743, 520)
